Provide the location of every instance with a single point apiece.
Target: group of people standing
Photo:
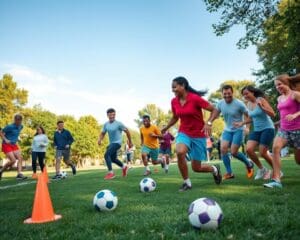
(253, 118)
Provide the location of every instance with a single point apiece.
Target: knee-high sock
(226, 161)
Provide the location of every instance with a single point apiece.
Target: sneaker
(217, 176)
(34, 176)
(110, 176)
(124, 171)
(260, 173)
(267, 174)
(250, 170)
(273, 184)
(184, 187)
(147, 173)
(20, 176)
(73, 169)
(228, 176)
(57, 177)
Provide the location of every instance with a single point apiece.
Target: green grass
(250, 211)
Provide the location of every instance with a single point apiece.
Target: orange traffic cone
(42, 207)
(45, 173)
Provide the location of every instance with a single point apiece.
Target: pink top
(289, 106)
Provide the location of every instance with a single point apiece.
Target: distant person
(233, 110)
(38, 149)
(129, 153)
(62, 140)
(114, 129)
(289, 131)
(209, 148)
(262, 135)
(10, 136)
(150, 144)
(187, 106)
(218, 147)
(165, 149)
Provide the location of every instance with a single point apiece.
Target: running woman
(260, 113)
(62, 140)
(187, 107)
(10, 136)
(150, 144)
(114, 129)
(38, 149)
(165, 149)
(289, 131)
(233, 110)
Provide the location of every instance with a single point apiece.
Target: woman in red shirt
(187, 107)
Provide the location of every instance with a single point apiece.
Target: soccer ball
(205, 213)
(105, 200)
(63, 174)
(147, 185)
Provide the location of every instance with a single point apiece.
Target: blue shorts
(152, 152)
(235, 138)
(264, 137)
(165, 151)
(196, 146)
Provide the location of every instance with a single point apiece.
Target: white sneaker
(260, 173)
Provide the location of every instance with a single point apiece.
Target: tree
(250, 13)
(157, 115)
(12, 99)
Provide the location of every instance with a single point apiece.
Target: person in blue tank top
(233, 110)
(262, 135)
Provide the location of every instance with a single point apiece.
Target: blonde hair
(293, 82)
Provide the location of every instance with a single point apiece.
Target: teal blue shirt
(114, 130)
(232, 112)
(12, 132)
(260, 119)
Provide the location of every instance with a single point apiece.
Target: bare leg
(11, 157)
(263, 150)
(198, 167)
(17, 155)
(57, 165)
(297, 154)
(250, 149)
(278, 144)
(145, 159)
(181, 151)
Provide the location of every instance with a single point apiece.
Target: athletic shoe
(110, 176)
(260, 173)
(267, 174)
(124, 171)
(217, 176)
(184, 187)
(73, 169)
(34, 176)
(20, 176)
(228, 176)
(147, 173)
(1, 175)
(57, 177)
(273, 184)
(250, 170)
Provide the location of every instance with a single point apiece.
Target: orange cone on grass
(42, 206)
(45, 173)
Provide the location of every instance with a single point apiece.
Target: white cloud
(61, 95)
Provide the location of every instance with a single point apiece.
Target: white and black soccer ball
(63, 174)
(205, 213)
(105, 200)
(147, 185)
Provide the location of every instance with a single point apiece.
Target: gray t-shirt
(114, 130)
(232, 112)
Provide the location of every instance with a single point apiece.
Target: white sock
(111, 171)
(188, 182)
(167, 166)
(124, 165)
(215, 170)
(147, 168)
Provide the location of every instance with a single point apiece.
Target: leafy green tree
(250, 13)
(12, 99)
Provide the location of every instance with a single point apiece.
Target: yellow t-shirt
(150, 142)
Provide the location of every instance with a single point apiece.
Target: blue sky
(81, 57)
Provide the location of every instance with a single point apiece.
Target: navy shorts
(264, 137)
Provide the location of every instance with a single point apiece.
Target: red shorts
(8, 147)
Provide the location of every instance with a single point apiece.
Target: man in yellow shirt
(150, 144)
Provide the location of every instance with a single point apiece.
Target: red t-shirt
(190, 114)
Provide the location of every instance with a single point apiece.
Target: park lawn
(250, 211)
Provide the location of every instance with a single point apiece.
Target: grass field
(250, 211)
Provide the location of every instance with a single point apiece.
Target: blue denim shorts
(264, 137)
(196, 146)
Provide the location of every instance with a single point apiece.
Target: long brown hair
(292, 81)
